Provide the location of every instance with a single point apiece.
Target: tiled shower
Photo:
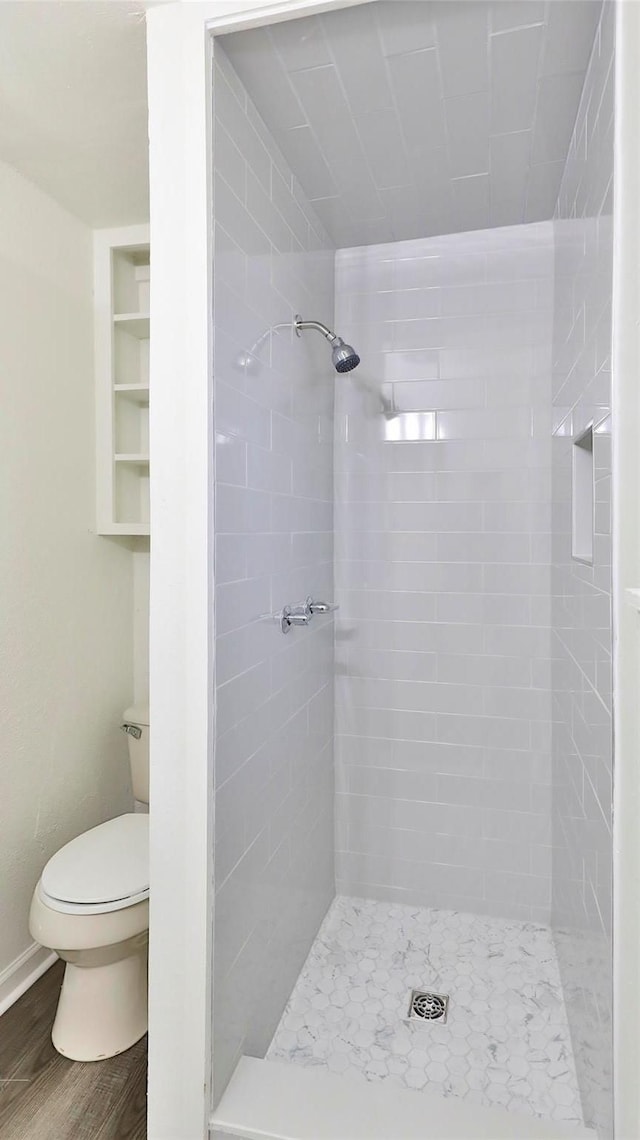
(415, 794)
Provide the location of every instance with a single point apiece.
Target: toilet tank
(136, 725)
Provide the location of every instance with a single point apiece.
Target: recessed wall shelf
(582, 497)
(122, 337)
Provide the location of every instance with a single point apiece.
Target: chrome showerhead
(343, 356)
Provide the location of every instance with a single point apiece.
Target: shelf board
(134, 460)
(137, 393)
(136, 324)
(133, 529)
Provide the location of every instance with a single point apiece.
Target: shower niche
(122, 337)
(582, 497)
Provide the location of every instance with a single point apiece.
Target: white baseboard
(20, 974)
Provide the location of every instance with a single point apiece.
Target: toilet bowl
(91, 905)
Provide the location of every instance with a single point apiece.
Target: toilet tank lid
(137, 714)
(108, 863)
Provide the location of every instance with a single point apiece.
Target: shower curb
(269, 1100)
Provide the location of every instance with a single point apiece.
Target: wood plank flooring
(43, 1096)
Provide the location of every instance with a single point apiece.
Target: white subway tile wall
(443, 521)
(581, 594)
(273, 416)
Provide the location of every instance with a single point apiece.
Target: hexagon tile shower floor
(506, 1040)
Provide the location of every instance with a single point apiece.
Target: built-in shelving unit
(122, 333)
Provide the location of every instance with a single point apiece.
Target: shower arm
(343, 356)
(300, 326)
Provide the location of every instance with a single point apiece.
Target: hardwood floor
(43, 1096)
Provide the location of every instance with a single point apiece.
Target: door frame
(626, 575)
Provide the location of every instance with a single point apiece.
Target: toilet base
(102, 1010)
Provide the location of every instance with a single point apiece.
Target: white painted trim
(626, 574)
(244, 14)
(180, 847)
(21, 974)
(270, 1100)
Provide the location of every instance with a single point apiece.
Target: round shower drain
(425, 1005)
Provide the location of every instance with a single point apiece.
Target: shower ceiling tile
(509, 166)
(330, 210)
(554, 123)
(408, 119)
(272, 92)
(508, 14)
(307, 160)
(463, 44)
(542, 189)
(571, 31)
(322, 98)
(302, 43)
(411, 216)
(359, 197)
(415, 79)
(470, 203)
(353, 35)
(380, 136)
(404, 27)
(515, 58)
(467, 118)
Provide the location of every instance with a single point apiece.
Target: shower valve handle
(294, 615)
(302, 614)
(321, 607)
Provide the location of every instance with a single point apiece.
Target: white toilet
(91, 906)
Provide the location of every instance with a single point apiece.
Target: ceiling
(73, 104)
(407, 118)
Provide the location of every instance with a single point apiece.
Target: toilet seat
(105, 869)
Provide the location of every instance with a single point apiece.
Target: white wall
(65, 624)
(442, 555)
(273, 420)
(581, 594)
